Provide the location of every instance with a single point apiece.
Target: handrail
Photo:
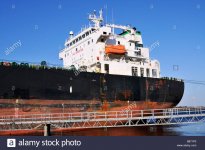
(104, 115)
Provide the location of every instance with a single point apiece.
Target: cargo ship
(102, 71)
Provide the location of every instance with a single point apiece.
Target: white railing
(110, 116)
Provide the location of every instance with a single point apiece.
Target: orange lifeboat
(115, 49)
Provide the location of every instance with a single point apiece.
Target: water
(196, 129)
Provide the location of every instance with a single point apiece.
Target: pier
(80, 120)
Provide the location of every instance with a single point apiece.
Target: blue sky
(178, 26)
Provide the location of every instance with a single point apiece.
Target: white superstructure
(98, 49)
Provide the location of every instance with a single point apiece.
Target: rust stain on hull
(25, 107)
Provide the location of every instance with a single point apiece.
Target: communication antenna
(105, 7)
(113, 29)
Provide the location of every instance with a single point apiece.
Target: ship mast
(97, 20)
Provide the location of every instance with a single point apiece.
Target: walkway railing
(104, 119)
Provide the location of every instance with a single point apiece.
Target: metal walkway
(104, 119)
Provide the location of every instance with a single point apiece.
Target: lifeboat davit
(115, 49)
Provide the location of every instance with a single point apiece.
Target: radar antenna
(97, 20)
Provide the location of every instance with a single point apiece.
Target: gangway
(184, 115)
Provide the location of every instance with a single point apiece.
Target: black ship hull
(81, 90)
